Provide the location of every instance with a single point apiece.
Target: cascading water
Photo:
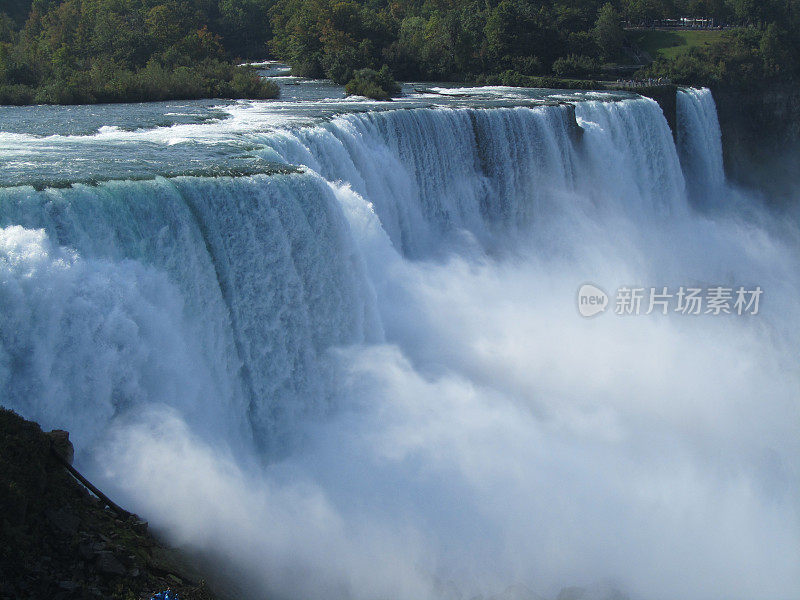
(700, 144)
(258, 276)
(369, 379)
(456, 171)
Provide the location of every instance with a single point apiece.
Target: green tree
(776, 51)
(608, 32)
(7, 29)
(379, 85)
(574, 65)
(245, 26)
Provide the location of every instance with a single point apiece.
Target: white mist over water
(371, 380)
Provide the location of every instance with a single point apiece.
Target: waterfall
(700, 145)
(445, 173)
(366, 377)
(264, 272)
(255, 276)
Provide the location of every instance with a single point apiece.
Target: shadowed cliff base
(761, 138)
(61, 542)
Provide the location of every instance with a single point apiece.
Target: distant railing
(681, 23)
(642, 83)
(88, 484)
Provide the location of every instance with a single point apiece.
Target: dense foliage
(742, 58)
(106, 50)
(475, 40)
(73, 51)
(373, 84)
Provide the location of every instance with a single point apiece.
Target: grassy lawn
(669, 44)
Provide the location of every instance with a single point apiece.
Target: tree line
(76, 51)
(518, 41)
(111, 50)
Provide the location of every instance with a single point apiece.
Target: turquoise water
(54, 146)
(338, 348)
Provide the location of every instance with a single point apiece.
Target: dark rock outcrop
(61, 543)
(61, 445)
(667, 98)
(760, 134)
(761, 137)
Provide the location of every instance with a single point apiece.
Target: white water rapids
(369, 380)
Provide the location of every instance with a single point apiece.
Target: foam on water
(700, 143)
(369, 378)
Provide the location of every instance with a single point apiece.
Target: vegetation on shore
(115, 50)
(378, 85)
(528, 42)
(663, 43)
(85, 51)
(740, 58)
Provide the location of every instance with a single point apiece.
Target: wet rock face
(61, 444)
(761, 136)
(667, 99)
(107, 564)
(63, 519)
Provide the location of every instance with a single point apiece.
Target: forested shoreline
(76, 51)
(87, 51)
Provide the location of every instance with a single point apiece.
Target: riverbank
(153, 83)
